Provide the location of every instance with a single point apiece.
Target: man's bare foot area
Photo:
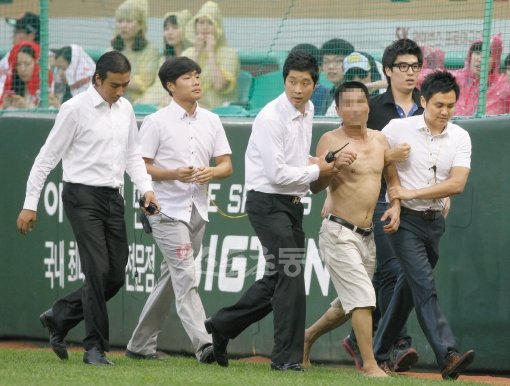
(373, 372)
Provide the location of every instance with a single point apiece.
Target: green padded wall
(472, 275)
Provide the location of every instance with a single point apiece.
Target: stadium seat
(144, 108)
(230, 111)
(244, 81)
(265, 88)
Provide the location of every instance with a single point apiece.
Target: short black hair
(397, 48)
(64, 52)
(112, 61)
(339, 47)
(176, 67)
(351, 85)
(439, 82)
(301, 61)
(309, 49)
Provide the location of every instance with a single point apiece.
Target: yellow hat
(211, 10)
(134, 10)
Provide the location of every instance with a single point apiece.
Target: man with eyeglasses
(402, 62)
(437, 167)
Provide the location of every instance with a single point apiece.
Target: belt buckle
(429, 215)
(296, 200)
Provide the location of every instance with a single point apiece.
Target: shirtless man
(346, 239)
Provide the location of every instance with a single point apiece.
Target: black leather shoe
(456, 363)
(207, 355)
(135, 355)
(57, 342)
(286, 367)
(96, 357)
(219, 343)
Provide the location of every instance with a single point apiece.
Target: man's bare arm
(398, 154)
(343, 158)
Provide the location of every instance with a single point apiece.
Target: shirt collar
(389, 98)
(97, 99)
(292, 111)
(180, 112)
(422, 126)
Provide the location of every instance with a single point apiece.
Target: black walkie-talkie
(151, 209)
(330, 157)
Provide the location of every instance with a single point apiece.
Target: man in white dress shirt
(437, 168)
(278, 172)
(96, 136)
(177, 144)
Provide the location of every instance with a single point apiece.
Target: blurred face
(299, 88)
(128, 28)
(353, 108)
(113, 86)
(186, 89)
(332, 66)
(61, 63)
(21, 34)
(25, 64)
(172, 34)
(439, 109)
(204, 26)
(403, 81)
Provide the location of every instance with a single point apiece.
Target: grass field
(40, 367)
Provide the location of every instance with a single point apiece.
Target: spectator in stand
(220, 63)
(131, 26)
(320, 94)
(433, 60)
(468, 78)
(22, 85)
(333, 53)
(174, 43)
(360, 67)
(27, 27)
(74, 69)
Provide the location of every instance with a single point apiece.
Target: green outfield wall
(473, 273)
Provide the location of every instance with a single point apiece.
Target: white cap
(356, 60)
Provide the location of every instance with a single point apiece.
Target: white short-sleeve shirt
(428, 152)
(173, 139)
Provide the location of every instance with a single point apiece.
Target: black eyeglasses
(404, 67)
